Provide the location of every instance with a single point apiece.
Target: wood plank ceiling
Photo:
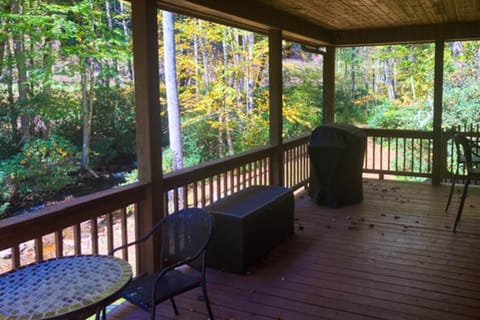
(367, 14)
(349, 22)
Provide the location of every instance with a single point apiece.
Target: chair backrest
(464, 149)
(185, 234)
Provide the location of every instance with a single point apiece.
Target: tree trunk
(20, 59)
(127, 38)
(11, 97)
(201, 43)
(196, 59)
(173, 107)
(48, 61)
(249, 79)
(389, 82)
(87, 80)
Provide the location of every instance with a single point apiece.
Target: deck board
(393, 256)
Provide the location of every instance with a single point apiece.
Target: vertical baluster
(264, 173)
(381, 154)
(136, 216)
(291, 168)
(94, 235)
(412, 155)
(175, 200)
(196, 200)
(109, 231)
(77, 239)
(389, 153)
(226, 182)
(59, 243)
(365, 155)
(246, 175)
(203, 199)
(123, 226)
(38, 249)
(420, 161)
(396, 154)
(305, 162)
(15, 257)
(218, 185)
(185, 190)
(210, 187)
(258, 172)
(234, 177)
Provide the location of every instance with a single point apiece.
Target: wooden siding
(393, 256)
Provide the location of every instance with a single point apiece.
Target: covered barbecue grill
(336, 156)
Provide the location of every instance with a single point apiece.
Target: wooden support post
(145, 48)
(276, 92)
(437, 114)
(329, 85)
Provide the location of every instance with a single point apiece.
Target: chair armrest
(124, 246)
(145, 237)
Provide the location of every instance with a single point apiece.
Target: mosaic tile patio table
(63, 288)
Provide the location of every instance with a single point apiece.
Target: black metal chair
(461, 161)
(465, 147)
(185, 235)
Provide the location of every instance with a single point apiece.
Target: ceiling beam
(249, 12)
(411, 34)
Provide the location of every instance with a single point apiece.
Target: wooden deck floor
(393, 256)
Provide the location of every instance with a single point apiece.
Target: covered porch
(393, 256)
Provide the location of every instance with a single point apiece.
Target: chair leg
(462, 202)
(101, 313)
(174, 305)
(152, 313)
(207, 302)
(451, 189)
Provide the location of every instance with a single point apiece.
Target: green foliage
(348, 108)
(393, 84)
(461, 104)
(303, 97)
(42, 166)
(6, 192)
(391, 115)
(113, 124)
(8, 132)
(131, 177)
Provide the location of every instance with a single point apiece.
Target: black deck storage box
(336, 156)
(248, 224)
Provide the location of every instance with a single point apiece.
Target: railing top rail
(31, 225)
(214, 167)
(389, 133)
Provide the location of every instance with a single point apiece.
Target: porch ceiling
(366, 14)
(347, 22)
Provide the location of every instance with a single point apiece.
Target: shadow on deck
(393, 256)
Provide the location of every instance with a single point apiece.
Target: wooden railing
(101, 221)
(93, 224)
(399, 152)
(296, 162)
(204, 184)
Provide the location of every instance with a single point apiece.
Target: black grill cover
(336, 156)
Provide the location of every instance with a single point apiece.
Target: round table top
(58, 287)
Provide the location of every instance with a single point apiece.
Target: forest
(67, 109)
